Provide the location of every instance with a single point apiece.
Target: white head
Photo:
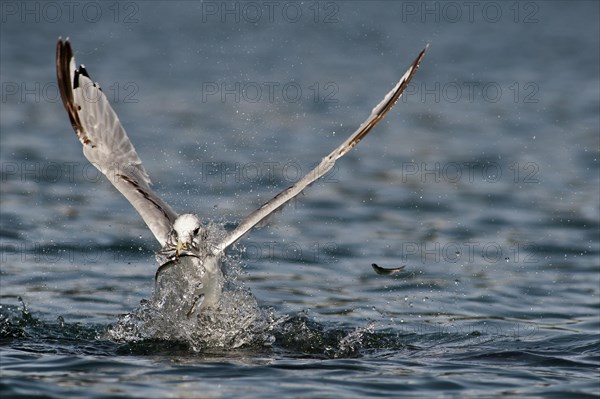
(185, 233)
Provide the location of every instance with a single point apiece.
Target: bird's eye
(196, 231)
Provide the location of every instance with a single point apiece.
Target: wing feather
(326, 163)
(105, 142)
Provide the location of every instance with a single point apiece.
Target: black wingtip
(81, 71)
(64, 55)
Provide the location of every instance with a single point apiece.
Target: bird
(189, 277)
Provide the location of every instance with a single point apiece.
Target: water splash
(14, 320)
(235, 321)
(301, 335)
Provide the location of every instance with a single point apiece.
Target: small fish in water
(385, 271)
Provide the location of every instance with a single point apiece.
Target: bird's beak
(180, 245)
(178, 248)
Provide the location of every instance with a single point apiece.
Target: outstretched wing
(105, 143)
(326, 163)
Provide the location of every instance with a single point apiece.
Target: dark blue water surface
(483, 180)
